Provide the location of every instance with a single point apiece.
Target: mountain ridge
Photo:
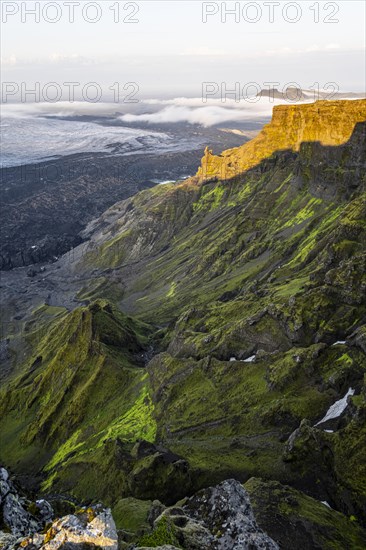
(291, 125)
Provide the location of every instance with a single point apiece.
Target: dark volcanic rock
(14, 515)
(44, 206)
(225, 510)
(297, 521)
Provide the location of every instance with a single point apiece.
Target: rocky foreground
(225, 517)
(218, 518)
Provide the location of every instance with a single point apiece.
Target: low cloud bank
(212, 112)
(192, 110)
(205, 116)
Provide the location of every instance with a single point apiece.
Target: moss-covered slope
(295, 520)
(255, 288)
(84, 385)
(271, 264)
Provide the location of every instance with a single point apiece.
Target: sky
(170, 48)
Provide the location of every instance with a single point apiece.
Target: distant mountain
(293, 94)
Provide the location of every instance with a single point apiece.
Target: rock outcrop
(262, 515)
(89, 528)
(225, 510)
(327, 122)
(219, 518)
(27, 524)
(297, 521)
(15, 516)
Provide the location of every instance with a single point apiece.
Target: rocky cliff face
(327, 122)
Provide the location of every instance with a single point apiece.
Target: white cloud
(208, 115)
(203, 51)
(52, 59)
(214, 111)
(193, 102)
(300, 51)
(11, 60)
(73, 59)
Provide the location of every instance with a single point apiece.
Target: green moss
(138, 422)
(307, 212)
(211, 198)
(131, 514)
(84, 388)
(294, 519)
(255, 265)
(171, 292)
(162, 534)
(111, 253)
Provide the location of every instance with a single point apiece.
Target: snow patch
(326, 504)
(339, 342)
(250, 359)
(337, 408)
(233, 359)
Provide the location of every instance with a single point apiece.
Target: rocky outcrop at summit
(225, 510)
(228, 516)
(327, 122)
(219, 517)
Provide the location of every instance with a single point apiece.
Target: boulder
(14, 515)
(225, 510)
(92, 527)
(8, 541)
(219, 518)
(189, 532)
(26, 520)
